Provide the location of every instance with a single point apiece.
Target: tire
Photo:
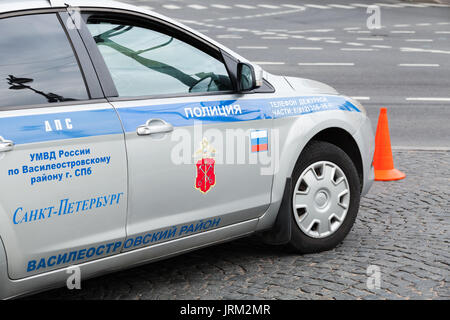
(320, 220)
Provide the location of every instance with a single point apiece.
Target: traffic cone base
(389, 175)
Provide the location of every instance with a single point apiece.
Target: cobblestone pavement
(403, 228)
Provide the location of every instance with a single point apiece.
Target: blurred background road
(404, 65)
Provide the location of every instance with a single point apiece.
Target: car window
(37, 63)
(145, 62)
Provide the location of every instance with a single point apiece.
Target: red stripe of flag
(259, 147)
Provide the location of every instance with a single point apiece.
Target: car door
(189, 135)
(63, 176)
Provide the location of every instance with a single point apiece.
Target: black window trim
(54, 105)
(90, 79)
(182, 34)
(84, 61)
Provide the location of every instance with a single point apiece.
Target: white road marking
(252, 47)
(244, 6)
(443, 23)
(311, 30)
(268, 63)
(322, 30)
(442, 32)
(423, 24)
(268, 6)
(340, 6)
(388, 5)
(171, 6)
(228, 36)
(319, 30)
(361, 5)
(358, 31)
(146, 7)
(333, 41)
(418, 65)
(197, 7)
(325, 64)
(403, 31)
(419, 40)
(361, 98)
(355, 44)
(358, 49)
(438, 5)
(401, 25)
(293, 6)
(305, 48)
(319, 38)
(370, 39)
(413, 5)
(427, 99)
(316, 6)
(381, 47)
(220, 6)
(423, 50)
(274, 38)
(277, 30)
(351, 28)
(238, 29)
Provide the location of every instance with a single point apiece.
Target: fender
(281, 231)
(295, 134)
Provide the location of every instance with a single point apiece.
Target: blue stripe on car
(87, 123)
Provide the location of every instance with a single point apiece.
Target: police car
(127, 137)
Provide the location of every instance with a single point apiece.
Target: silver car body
(137, 206)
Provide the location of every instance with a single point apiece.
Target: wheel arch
(344, 140)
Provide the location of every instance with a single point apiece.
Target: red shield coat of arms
(206, 177)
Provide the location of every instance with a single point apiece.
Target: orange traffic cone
(382, 159)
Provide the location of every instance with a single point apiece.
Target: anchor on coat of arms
(206, 177)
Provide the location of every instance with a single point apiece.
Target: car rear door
(188, 133)
(63, 171)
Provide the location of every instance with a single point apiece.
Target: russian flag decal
(259, 140)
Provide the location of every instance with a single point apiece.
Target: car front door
(189, 135)
(63, 177)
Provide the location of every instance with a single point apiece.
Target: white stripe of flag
(258, 134)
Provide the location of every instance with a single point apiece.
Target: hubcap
(321, 199)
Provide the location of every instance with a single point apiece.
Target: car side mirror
(249, 78)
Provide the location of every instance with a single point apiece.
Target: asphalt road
(404, 65)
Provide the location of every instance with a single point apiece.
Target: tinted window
(145, 62)
(37, 63)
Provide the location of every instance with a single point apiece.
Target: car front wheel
(325, 198)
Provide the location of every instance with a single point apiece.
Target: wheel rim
(321, 199)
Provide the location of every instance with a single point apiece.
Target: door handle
(6, 145)
(154, 126)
